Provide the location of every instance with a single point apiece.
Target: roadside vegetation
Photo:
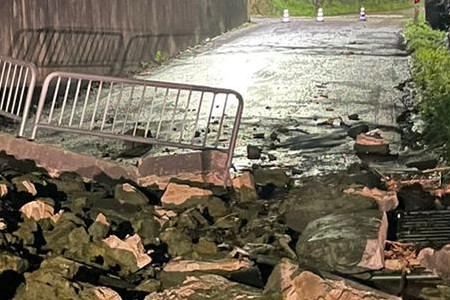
(431, 73)
(331, 7)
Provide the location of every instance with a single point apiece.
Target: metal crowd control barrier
(140, 111)
(17, 82)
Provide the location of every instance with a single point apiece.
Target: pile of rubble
(262, 239)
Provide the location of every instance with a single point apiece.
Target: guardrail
(140, 111)
(17, 82)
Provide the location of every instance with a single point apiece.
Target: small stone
(244, 188)
(131, 244)
(126, 193)
(281, 278)
(354, 117)
(357, 129)
(371, 144)
(149, 286)
(276, 177)
(99, 229)
(11, 262)
(183, 195)
(37, 210)
(253, 152)
(205, 247)
(274, 136)
(260, 135)
(217, 207)
(178, 243)
(271, 157)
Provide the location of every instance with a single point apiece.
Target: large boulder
(319, 199)
(348, 243)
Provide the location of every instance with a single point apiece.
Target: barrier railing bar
(188, 102)
(119, 99)
(86, 98)
(141, 106)
(147, 127)
(75, 101)
(19, 107)
(128, 109)
(209, 119)
(97, 99)
(223, 116)
(66, 94)
(11, 88)
(198, 116)
(17, 90)
(55, 95)
(163, 110)
(111, 88)
(6, 86)
(170, 113)
(174, 112)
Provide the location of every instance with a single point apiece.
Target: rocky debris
(435, 293)
(280, 280)
(126, 193)
(305, 142)
(402, 257)
(371, 143)
(310, 286)
(11, 262)
(270, 181)
(55, 279)
(438, 262)
(245, 188)
(120, 240)
(353, 117)
(321, 197)
(386, 200)
(207, 287)
(423, 162)
(227, 265)
(253, 152)
(3, 190)
(357, 129)
(347, 243)
(178, 243)
(131, 244)
(38, 210)
(183, 195)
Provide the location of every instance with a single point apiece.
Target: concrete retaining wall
(108, 36)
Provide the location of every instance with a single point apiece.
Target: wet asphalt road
(296, 75)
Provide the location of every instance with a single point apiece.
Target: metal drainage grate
(424, 228)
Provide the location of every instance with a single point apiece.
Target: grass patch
(331, 7)
(431, 73)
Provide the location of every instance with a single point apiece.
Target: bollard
(320, 17)
(362, 14)
(285, 16)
